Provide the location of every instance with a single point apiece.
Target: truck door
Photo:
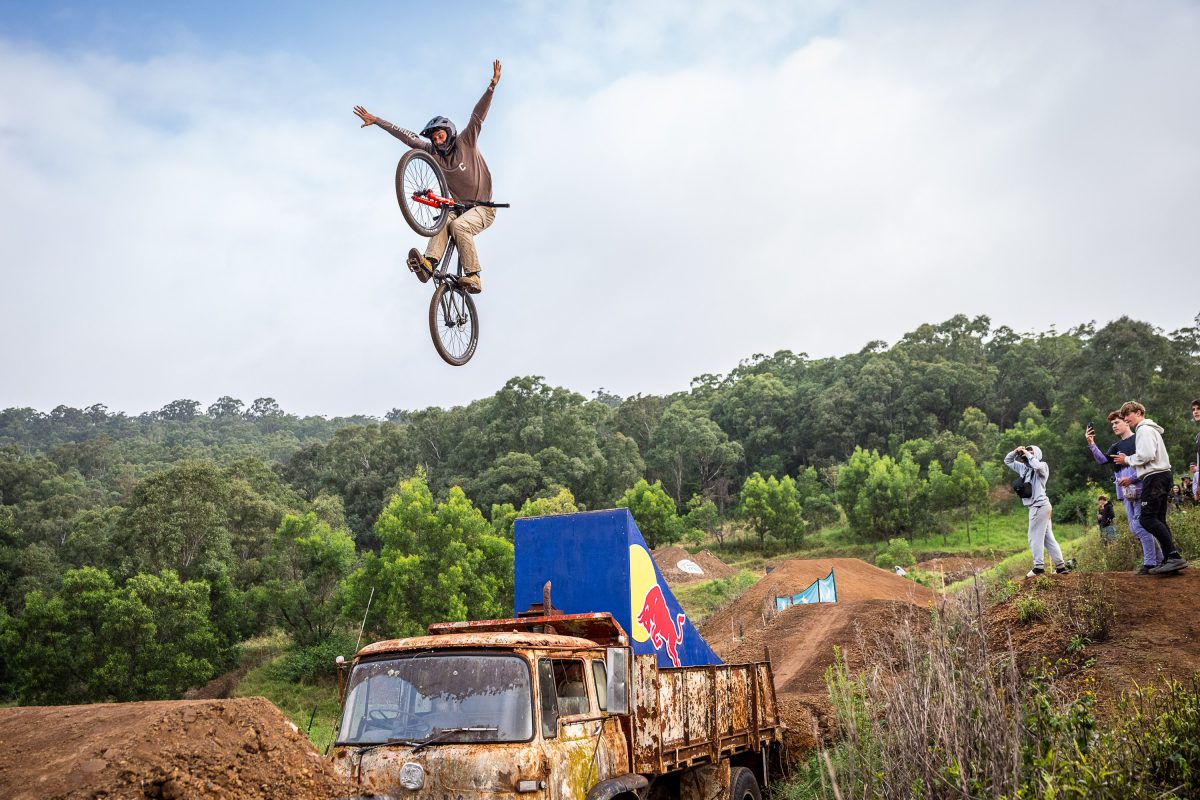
(571, 725)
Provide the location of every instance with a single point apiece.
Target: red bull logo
(655, 617)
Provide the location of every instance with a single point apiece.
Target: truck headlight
(412, 776)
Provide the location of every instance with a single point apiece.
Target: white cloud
(192, 226)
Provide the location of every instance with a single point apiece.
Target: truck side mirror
(617, 666)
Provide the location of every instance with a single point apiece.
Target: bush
(1030, 609)
(314, 662)
(897, 553)
(1077, 506)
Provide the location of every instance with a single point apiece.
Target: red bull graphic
(655, 617)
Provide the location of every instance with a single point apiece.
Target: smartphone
(1090, 427)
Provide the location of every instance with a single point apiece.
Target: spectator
(1128, 487)
(1104, 519)
(1192, 466)
(1154, 468)
(1027, 462)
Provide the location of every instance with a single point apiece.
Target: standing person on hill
(1154, 468)
(1027, 462)
(468, 177)
(1104, 520)
(1195, 476)
(1128, 486)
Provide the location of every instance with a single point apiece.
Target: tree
(179, 411)
(92, 641)
(307, 563)
(702, 515)
(226, 408)
(438, 562)
(690, 451)
(504, 515)
(654, 512)
(772, 507)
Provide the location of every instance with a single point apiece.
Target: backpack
(1023, 486)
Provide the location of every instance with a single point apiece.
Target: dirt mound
(955, 568)
(801, 639)
(856, 580)
(173, 750)
(1154, 633)
(668, 560)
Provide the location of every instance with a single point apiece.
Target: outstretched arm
(406, 136)
(471, 133)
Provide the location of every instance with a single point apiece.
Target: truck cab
(553, 707)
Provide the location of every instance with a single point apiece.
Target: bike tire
(453, 324)
(416, 172)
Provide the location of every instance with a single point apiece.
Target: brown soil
(174, 750)
(801, 640)
(668, 558)
(1155, 633)
(954, 568)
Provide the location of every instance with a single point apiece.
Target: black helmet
(440, 123)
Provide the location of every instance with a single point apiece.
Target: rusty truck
(558, 703)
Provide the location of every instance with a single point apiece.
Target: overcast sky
(190, 209)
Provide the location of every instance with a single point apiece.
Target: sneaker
(1033, 573)
(419, 265)
(471, 282)
(1144, 569)
(1170, 565)
(1061, 569)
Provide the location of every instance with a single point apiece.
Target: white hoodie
(1150, 455)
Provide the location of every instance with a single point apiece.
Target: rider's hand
(366, 116)
(495, 72)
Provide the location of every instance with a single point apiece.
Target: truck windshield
(427, 699)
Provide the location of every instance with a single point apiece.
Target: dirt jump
(801, 639)
(679, 566)
(174, 750)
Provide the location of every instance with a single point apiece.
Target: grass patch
(296, 700)
(701, 598)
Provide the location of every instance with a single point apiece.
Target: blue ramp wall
(598, 561)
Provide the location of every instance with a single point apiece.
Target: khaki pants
(464, 228)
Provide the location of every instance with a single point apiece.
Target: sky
(191, 210)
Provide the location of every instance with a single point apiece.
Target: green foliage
(307, 564)
(93, 641)
(700, 598)
(315, 699)
(702, 519)
(882, 497)
(772, 508)
(1078, 506)
(314, 663)
(690, 452)
(503, 516)
(897, 553)
(654, 512)
(438, 562)
(1031, 609)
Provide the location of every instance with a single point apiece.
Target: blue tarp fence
(822, 590)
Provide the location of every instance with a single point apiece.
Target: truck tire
(742, 785)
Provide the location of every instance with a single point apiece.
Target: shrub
(314, 662)
(1030, 609)
(897, 553)
(1076, 506)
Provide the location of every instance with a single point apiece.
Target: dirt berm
(801, 639)
(239, 749)
(668, 560)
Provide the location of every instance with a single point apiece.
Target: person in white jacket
(1027, 462)
(1154, 469)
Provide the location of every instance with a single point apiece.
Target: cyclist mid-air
(468, 180)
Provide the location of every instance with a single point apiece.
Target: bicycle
(424, 200)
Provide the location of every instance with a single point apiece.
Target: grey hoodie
(1150, 454)
(1037, 471)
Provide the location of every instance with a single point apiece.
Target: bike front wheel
(453, 324)
(416, 173)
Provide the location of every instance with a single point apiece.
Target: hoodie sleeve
(1038, 466)
(406, 136)
(1010, 461)
(1100, 458)
(1147, 446)
(470, 134)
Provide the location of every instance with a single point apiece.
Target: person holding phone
(1153, 467)
(1026, 461)
(1128, 487)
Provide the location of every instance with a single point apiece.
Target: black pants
(1156, 494)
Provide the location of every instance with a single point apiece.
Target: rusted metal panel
(540, 641)
(700, 714)
(598, 628)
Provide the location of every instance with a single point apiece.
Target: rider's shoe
(419, 265)
(471, 282)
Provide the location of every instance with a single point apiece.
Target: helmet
(439, 123)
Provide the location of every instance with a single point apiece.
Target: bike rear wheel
(416, 172)
(453, 324)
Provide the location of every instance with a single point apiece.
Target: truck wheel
(742, 784)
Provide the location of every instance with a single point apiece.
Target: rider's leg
(437, 244)
(464, 229)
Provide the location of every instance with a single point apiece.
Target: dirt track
(178, 750)
(668, 558)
